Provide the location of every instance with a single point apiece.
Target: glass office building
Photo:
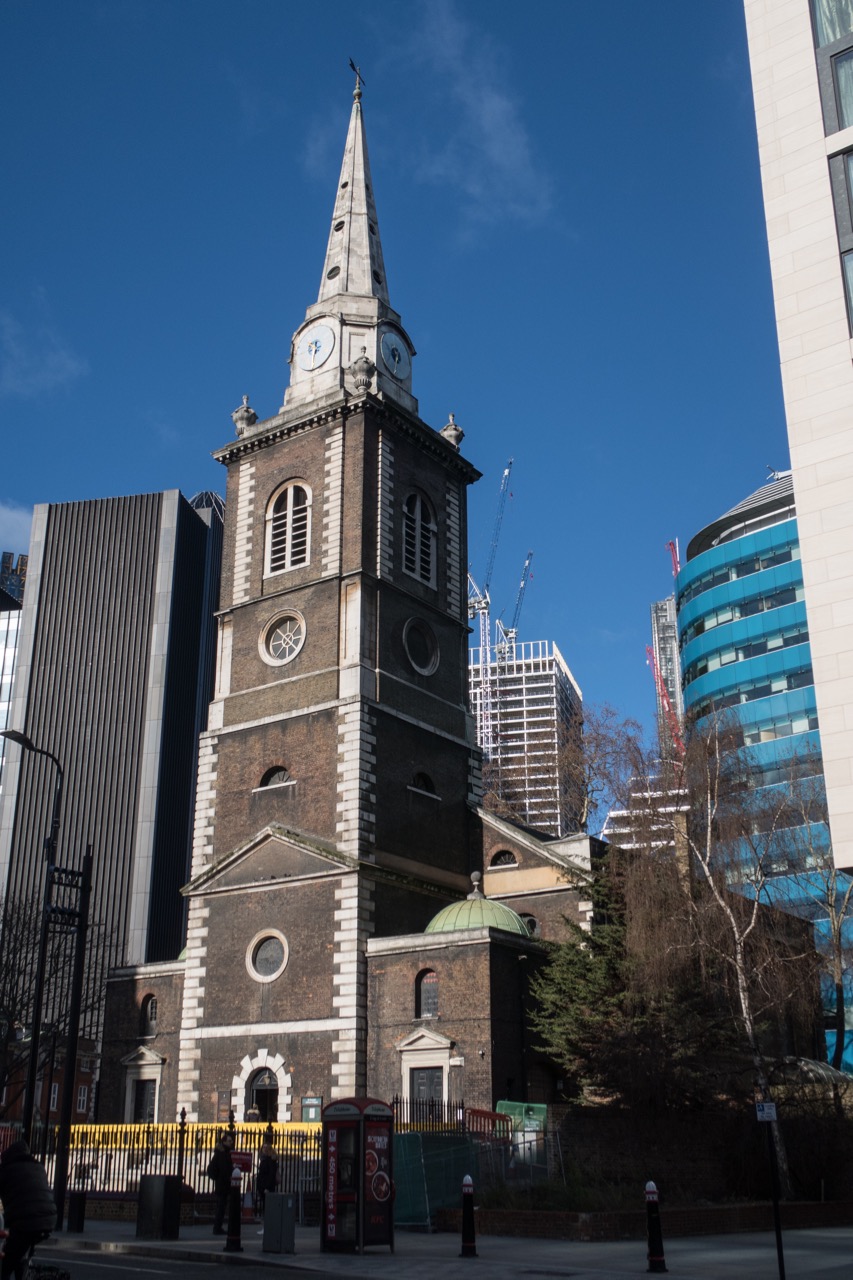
(746, 655)
(743, 631)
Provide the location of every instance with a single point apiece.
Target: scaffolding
(536, 716)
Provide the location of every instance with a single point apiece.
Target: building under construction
(528, 711)
(666, 665)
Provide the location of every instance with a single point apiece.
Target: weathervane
(359, 79)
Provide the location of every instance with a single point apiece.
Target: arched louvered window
(289, 529)
(419, 539)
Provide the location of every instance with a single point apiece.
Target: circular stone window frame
(431, 639)
(261, 936)
(270, 629)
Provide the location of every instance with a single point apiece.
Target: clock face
(315, 347)
(395, 354)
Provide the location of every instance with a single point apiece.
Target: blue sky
(569, 203)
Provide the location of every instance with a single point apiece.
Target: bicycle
(36, 1270)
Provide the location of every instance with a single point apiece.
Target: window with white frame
(54, 1096)
(82, 1098)
(419, 539)
(288, 529)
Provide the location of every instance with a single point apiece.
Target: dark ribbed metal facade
(117, 625)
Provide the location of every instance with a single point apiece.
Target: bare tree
(811, 884)
(696, 915)
(736, 835)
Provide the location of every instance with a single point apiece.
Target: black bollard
(469, 1240)
(657, 1262)
(235, 1214)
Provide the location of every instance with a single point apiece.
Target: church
(357, 921)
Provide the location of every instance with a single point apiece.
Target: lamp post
(27, 744)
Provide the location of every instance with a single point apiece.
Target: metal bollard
(235, 1213)
(469, 1241)
(657, 1262)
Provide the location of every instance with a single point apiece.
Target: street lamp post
(27, 744)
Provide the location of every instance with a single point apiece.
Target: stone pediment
(570, 856)
(424, 1038)
(143, 1057)
(274, 854)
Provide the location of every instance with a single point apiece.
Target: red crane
(671, 717)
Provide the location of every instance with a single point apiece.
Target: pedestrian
(267, 1175)
(220, 1169)
(28, 1206)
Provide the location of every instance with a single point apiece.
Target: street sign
(765, 1111)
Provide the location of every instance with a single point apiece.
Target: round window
(282, 639)
(266, 955)
(421, 646)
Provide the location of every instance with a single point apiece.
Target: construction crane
(507, 636)
(479, 603)
(668, 710)
(672, 548)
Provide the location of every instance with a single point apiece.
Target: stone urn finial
(244, 417)
(362, 370)
(453, 433)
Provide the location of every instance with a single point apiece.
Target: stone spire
(354, 262)
(352, 341)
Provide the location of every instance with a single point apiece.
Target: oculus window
(267, 955)
(282, 639)
(421, 646)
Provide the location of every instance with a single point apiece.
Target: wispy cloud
(486, 155)
(15, 522)
(260, 108)
(34, 358)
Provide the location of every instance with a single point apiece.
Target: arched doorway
(262, 1095)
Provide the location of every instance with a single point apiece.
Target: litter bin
(76, 1210)
(279, 1223)
(158, 1216)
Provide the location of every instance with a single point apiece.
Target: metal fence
(110, 1159)
(435, 1145)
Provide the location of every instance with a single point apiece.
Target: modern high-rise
(744, 634)
(801, 55)
(535, 715)
(665, 649)
(113, 677)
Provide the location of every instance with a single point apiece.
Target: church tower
(339, 766)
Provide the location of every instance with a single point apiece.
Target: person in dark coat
(220, 1170)
(267, 1175)
(28, 1206)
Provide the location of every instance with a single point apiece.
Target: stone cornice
(285, 425)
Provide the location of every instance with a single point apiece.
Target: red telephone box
(358, 1154)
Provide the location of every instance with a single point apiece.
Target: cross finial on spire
(359, 81)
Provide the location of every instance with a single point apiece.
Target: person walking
(28, 1206)
(267, 1175)
(220, 1170)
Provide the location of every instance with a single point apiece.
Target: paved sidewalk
(813, 1254)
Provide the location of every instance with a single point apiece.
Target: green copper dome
(477, 912)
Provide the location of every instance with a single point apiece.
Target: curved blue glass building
(742, 628)
(745, 652)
